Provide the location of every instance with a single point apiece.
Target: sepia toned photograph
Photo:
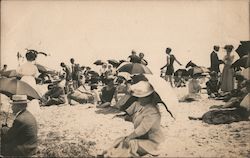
(137, 78)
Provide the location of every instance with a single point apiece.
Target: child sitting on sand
(194, 89)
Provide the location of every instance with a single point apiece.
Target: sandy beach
(84, 130)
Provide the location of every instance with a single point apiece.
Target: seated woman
(107, 93)
(194, 89)
(54, 96)
(146, 117)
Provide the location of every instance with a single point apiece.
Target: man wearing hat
(21, 138)
(215, 62)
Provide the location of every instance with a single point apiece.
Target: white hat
(19, 99)
(141, 89)
(125, 75)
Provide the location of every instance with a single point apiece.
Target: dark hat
(228, 47)
(30, 55)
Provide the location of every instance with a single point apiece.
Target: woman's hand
(126, 142)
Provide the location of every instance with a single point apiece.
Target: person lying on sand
(80, 95)
(240, 112)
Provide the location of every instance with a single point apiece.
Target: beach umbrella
(164, 91)
(243, 48)
(99, 62)
(184, 72)
(9, 73)
(113, 62)
(134, 68)
(44, 69)
(11, 86)
(242, 62)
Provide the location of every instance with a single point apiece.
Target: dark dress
(107, 94)
(213, 86)
(21, 138)
(170, 67)
(215, 62)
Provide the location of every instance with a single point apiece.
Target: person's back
(21, 139)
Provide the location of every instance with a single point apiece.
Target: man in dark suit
(21, 138)
(215, 62)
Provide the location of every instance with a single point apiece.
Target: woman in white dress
(28, 71)
(227, 83)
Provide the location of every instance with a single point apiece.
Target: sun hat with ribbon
(141, 89)
(19, 99)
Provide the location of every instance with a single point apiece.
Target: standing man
(21, 138)
(68, 76)
(170, 65)
(215, 62)
(74, 73)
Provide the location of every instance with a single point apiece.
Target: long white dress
(28, 71)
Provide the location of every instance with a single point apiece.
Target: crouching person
(80, 95)
(145, 116)
(21, 138)
(55, 95)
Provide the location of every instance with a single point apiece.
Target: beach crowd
(126, 85)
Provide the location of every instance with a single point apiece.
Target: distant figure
(170, 65)
(68, 76)
(21, 139)
(75, 68)
(134, 58)
(227, 83)
(4, 68)
(215, 62)
(213, 85)
(142, 60)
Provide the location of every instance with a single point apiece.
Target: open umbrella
(44, 69)
(134, 68)
(113, 62)
(99, 62)
(183, 72)
(243, 48)
(9, 73)
(242, 62)
(11, 86)
(164, 91)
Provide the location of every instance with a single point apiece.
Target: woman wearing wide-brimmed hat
(145, 116)
(227, 79)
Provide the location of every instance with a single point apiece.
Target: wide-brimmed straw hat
(141, 89)
(19, 99)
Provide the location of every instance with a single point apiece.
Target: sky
(91, 30)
